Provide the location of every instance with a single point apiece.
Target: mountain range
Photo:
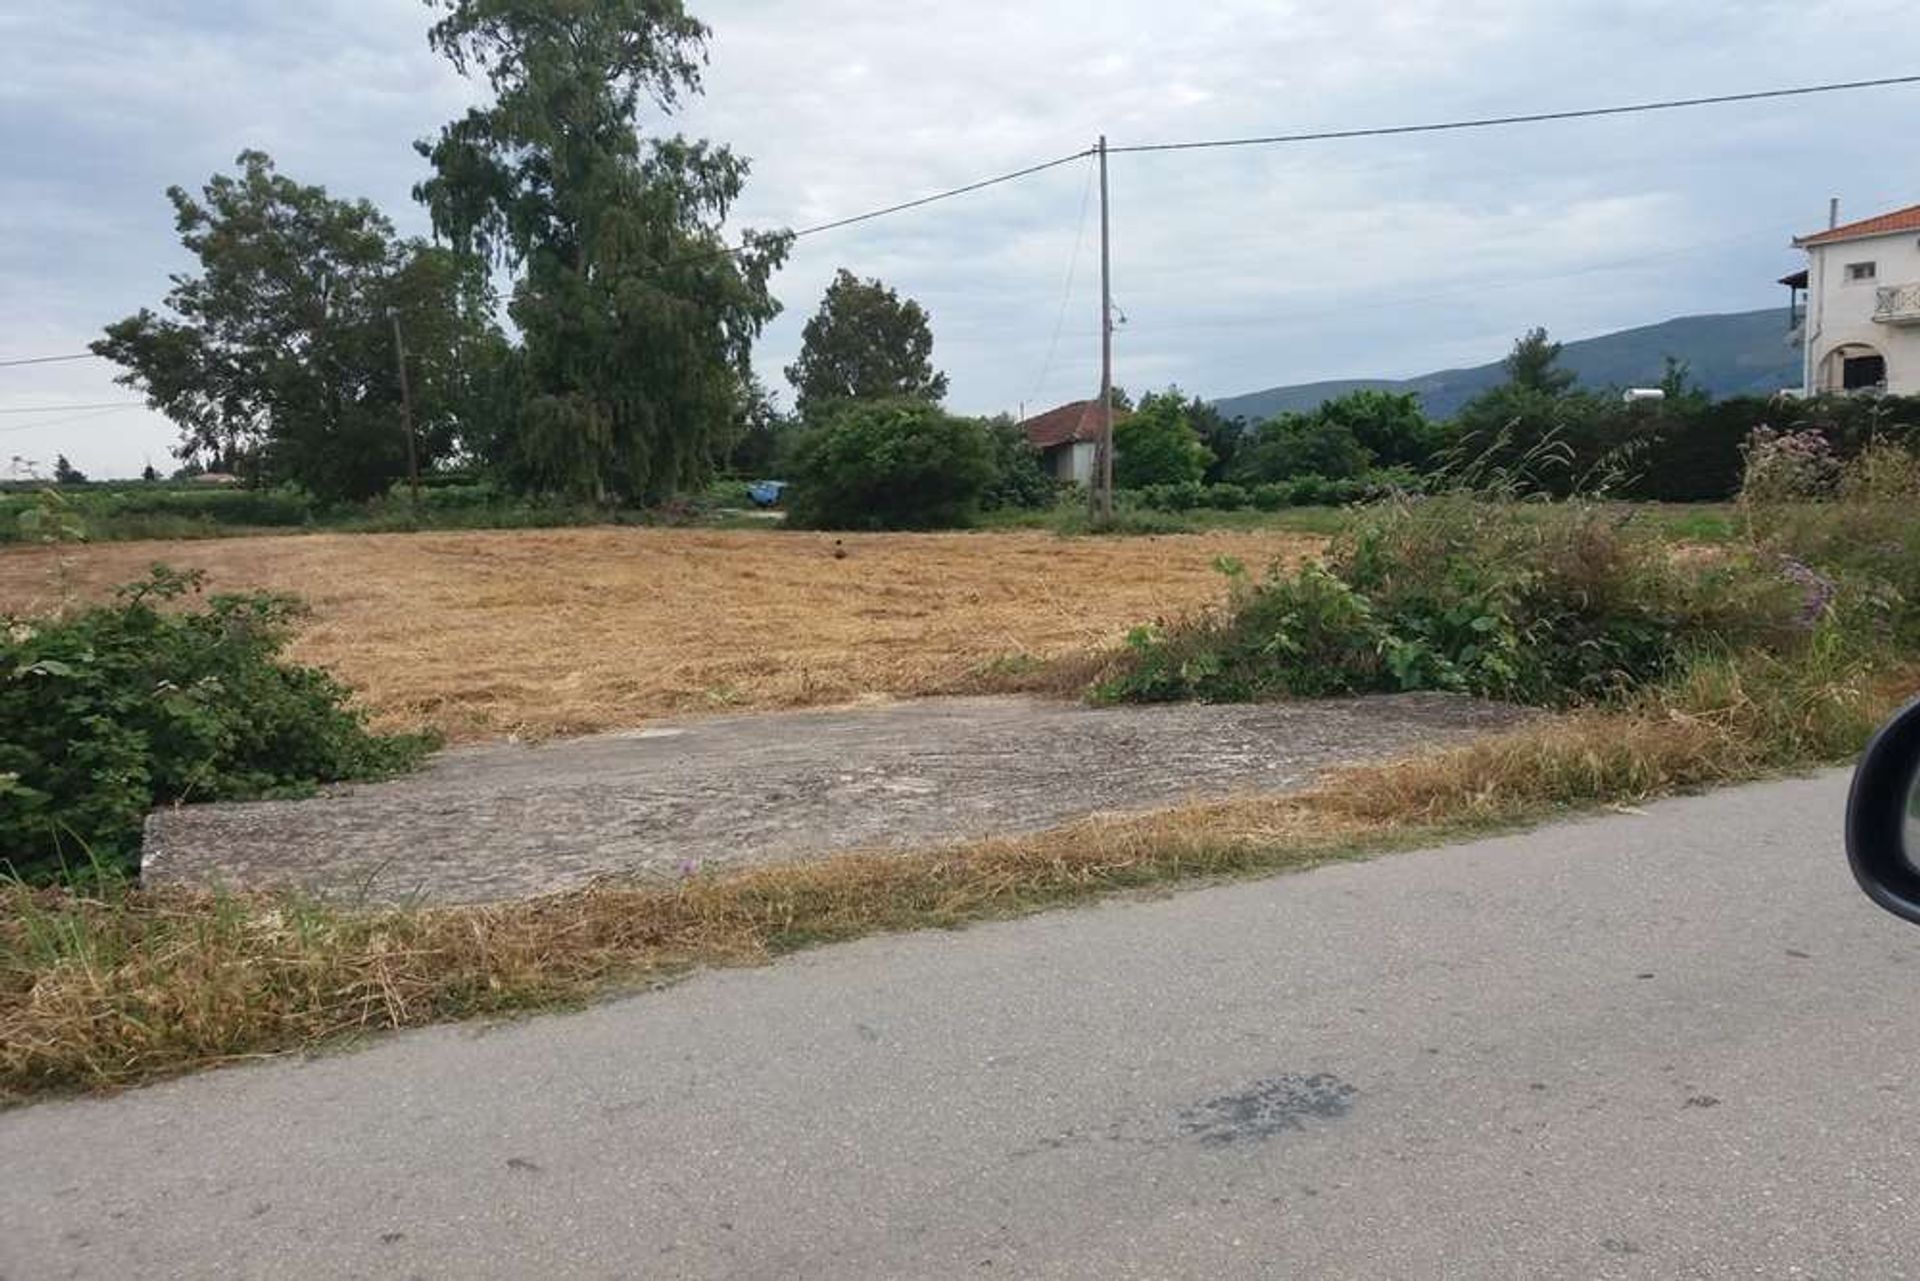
(1740, 353)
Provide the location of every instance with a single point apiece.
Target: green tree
(1301, 445)
(65, 473)
(1534, 364)
(891, 464)
(1157, 445)
(762, 438)
(637, 318)
(1222, 436)
(1678, 385)
(277, 358)
(865, 343)
(1521, 439)
(1393, 429)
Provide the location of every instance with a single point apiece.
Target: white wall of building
(1840, 310)
(1074, 462)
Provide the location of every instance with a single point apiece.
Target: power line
(1066, 297)
(85, 416)
(66, 409)
(971, 187)
(751, 240)
(1488, 122)
(48, 360)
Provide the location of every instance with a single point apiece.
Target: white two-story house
(1862, 325)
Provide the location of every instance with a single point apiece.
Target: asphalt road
(1661, 1045)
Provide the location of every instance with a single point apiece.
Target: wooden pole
(1106, 344)
(406, 410)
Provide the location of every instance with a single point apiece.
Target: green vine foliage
(155, 698)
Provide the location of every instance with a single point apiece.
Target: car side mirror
(1883, 817)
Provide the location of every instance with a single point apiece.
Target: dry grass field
(553, 632)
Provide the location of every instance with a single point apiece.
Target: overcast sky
(1236, 270)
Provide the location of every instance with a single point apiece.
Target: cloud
(1236, 269)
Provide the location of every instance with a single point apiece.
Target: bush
(1391, 482)
(1320, 491)
(894, 464)
(1078, 522)
(1188, 495)
(1227, 498)
(1271, 497)
(728, 493)
(282, 508)
(117, 708)
(1866, 538)
(1541, 606)
(1782, 466)
(1019, 480)
(1154, 498)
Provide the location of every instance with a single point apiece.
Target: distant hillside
(1742, 353)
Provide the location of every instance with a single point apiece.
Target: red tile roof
(1068, 424)
(1900, 220)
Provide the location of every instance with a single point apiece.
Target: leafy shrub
(1537, 606)
(1320, 491)
(110, 711)
(1227, 498)
(285, 507)
(1270, 497)
(1019, 479)
(893, 464)
(1389, 482)
(1188, 495)
(1078, 522)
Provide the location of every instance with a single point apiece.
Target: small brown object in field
(839, 550)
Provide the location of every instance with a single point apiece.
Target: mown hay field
(573, 631)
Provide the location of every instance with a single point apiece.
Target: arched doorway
(1853, 367)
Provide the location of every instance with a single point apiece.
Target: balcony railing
(1898, 305)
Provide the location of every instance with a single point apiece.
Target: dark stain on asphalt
(1703, 1101)
(1798, 955)
(521, 1163)
(1273, 1107)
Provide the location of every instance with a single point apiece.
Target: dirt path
(503, 821)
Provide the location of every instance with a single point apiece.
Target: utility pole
(406, 410)
(1105, 483)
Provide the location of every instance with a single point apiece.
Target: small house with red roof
(1068, 439)
(1862, 327)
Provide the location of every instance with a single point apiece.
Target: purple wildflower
(1818, 591)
